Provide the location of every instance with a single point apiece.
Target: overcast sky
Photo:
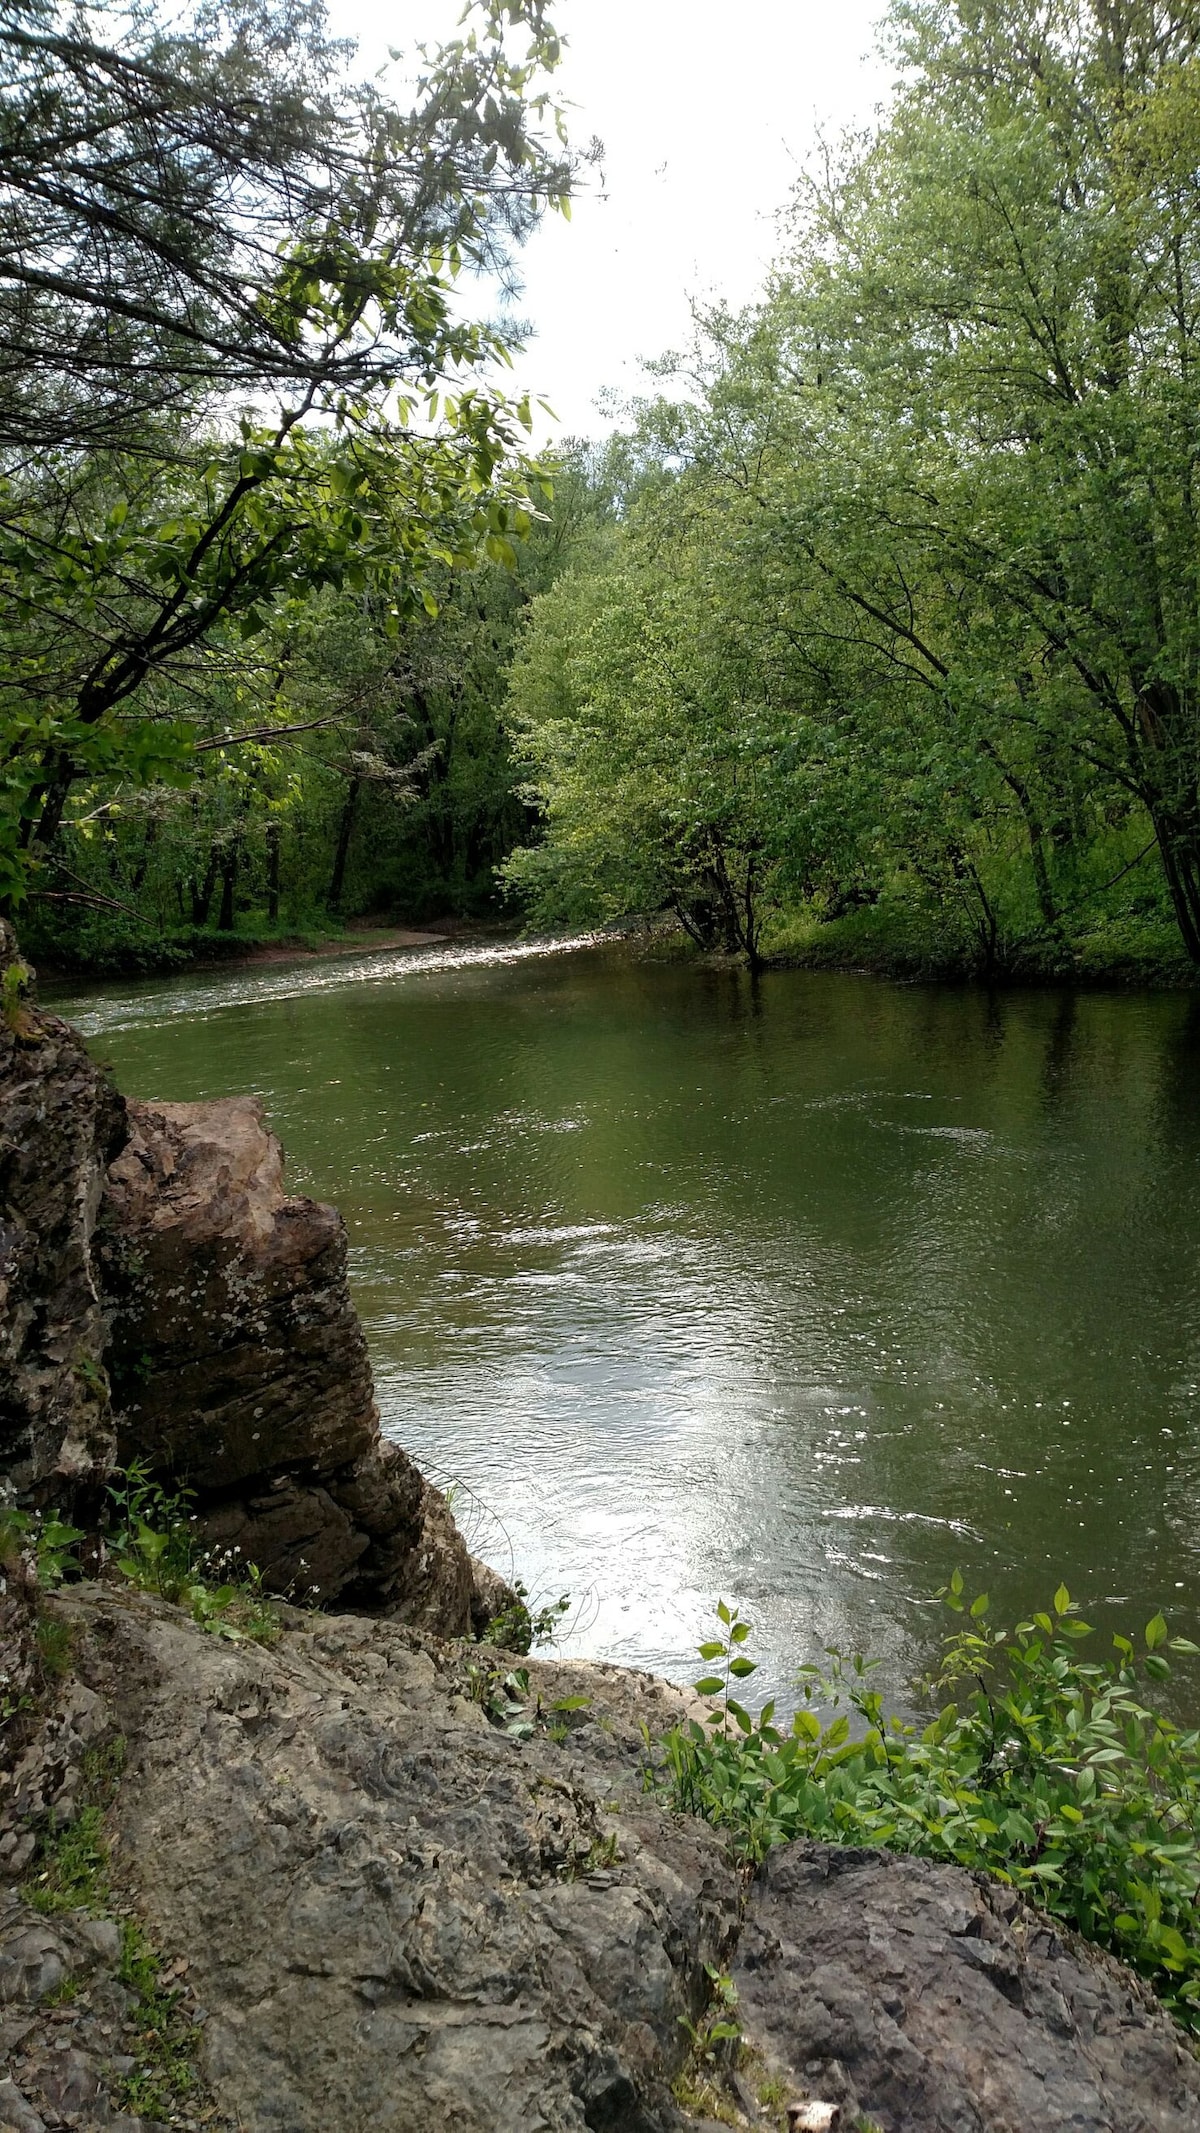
(706, 113)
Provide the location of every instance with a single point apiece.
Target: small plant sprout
(718, 2033)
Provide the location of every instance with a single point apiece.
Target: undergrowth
(1045, 1770)
(150, 1542)
(152, 1545)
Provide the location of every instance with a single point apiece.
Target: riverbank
(895, 939)
(348, 1874)
(309, 1870)
(206, 948)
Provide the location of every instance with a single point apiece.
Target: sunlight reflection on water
(800, 1293)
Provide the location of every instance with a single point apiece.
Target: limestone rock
(397, 1915)
(60, 1125)
(928, 2000)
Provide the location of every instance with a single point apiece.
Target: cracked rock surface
(929, 2000)
(396, 1916)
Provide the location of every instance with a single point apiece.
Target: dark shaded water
(799, 1292)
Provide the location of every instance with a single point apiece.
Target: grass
(71, 1869)
(71, 1873)
(164, 2048)
(55, 1641)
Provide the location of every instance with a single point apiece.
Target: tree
(652, 744)
(337, 763)
(304, 245)
(940, 485)
(985, 360)
(200, 208)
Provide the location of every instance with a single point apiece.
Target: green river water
(798, 1292)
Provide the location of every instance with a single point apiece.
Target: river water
(797, 1292)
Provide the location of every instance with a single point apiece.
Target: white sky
(706, 113)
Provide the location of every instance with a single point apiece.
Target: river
(798, 1292)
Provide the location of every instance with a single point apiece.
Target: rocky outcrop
(387, 1892)
(395, 1913)
(922, 1999)
(162, 1298)
(60, 1125)
(240, 1370)
(237, 1342)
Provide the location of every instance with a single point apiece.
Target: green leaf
(1062, 1600)
(711, 1685)
(1156, 1632)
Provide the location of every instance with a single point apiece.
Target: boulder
(237, 1351)
(241, 1373)
(164, 1299)
(918, 1998)
(61, 1123)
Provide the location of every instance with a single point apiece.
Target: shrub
(1046, 1770)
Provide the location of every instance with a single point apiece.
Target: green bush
(152, 1546)
(1047, 1771)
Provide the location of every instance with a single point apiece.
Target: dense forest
(897, 646)
(261, 495)
(875, 635)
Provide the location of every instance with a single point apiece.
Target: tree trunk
(273, 873)
(148, 844)
(202, 898)
(338, 878)
(1037, 838)
(1181, 866)
(1169, 789)
(228, 881)
(984, 920)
